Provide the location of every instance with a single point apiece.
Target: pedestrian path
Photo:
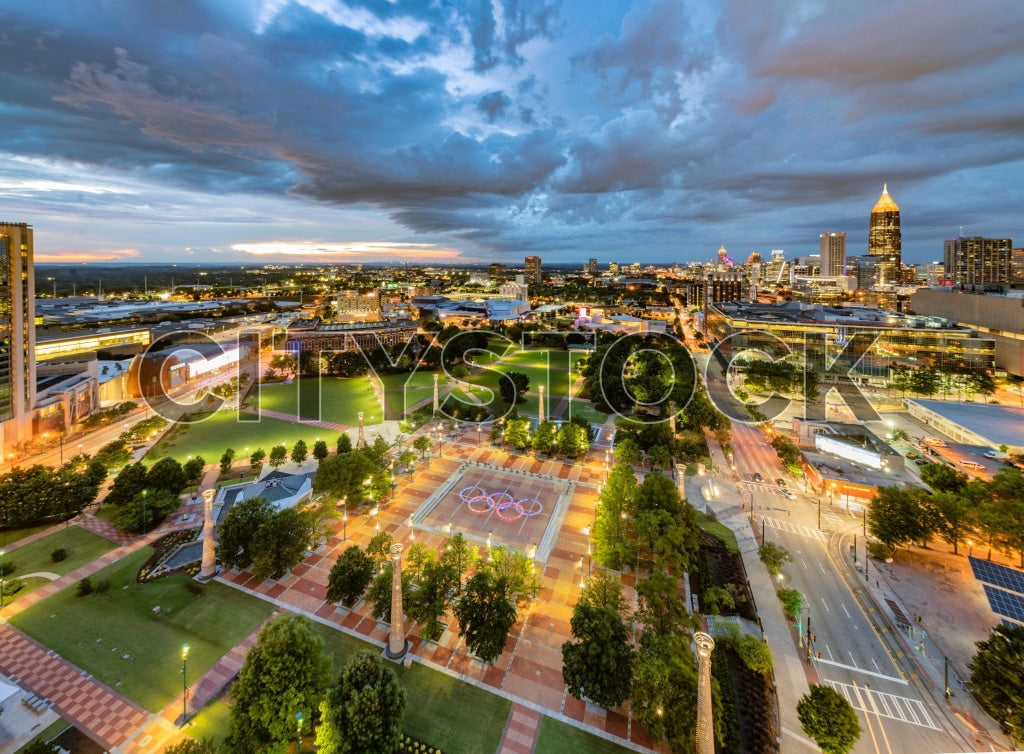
(77, 696)
(103, 528)
(296, 419)
(802, 531)
(521, 730)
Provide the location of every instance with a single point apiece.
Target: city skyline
(319, 131)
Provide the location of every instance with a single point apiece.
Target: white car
(973, 465)
(990, 454)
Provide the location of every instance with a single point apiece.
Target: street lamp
(144, 494)
(970, 552)
(298, 732)
(184, 683)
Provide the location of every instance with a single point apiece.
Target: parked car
(758, 477)
(990, 454)
(973, 465)
(921, 461)
(913, 454)
(786, 493)
(781, 482)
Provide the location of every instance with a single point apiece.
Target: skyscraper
(533, 270)
(832, 248)
(885, 242)
(17, 334)
(977, 261)
(591, 266)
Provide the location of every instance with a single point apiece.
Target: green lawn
(441, 711)
(721, 531)
(82, 547)
(115, 636)
(8, 536)
(330, 399)
(210, 438)
(557, 737)
(210, 723)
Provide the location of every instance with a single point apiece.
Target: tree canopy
(363, 712)
(828, 718)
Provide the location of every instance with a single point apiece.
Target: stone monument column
(361, 437)
(705, 721)
(437, 400)
(540, 404)
(397, 645)
(209, 564)
(672, 416)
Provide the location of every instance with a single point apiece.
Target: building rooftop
(1002, 425)
(801, 313)
(885, 202)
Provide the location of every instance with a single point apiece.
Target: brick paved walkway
(108, 716)
(521, 731)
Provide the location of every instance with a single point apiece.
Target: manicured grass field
(210, 723)
(557, 737)
(8, 536)
(210, 438)
(441, 711)
(402, 391)
(82, 547)
(115, 636)
(721, 531)
(330, 399)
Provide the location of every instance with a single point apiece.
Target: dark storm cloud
(519, 125)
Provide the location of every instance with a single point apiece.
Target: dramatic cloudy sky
(371, 130)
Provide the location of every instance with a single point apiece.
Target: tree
(349, 577)
(942, 478)
(513, 387)
(167, 474)
(380, 592)
(792, 602)
(460, 556)
(299, 452)
(193, 468)
(613, 546)
(343, 476)
(363, 713)
(225, 461)
(572, 440)
(281, 542)
(896, 516)
(379, 546)
(422, 444)
(657, 493)
(486, 614)
(320, 451)
(598, 664)
(755, 654)
(955, 514)
(185, 746)
(256, 459)
(774, 557)
(828, 718)
(628, 452)
(660, 457)
(145, 510)
(344, 444)
(661, 608)
(430, 599)
(545, 437)
(996, 672)
(129, 482)
(238, 530)
(664, 690)
(517, 433)
(285, 673)
(278, 456)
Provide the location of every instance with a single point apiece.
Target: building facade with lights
(885, 241)
(17, 334)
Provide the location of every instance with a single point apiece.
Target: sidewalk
(791, 676)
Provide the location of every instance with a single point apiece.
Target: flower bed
(163, 548)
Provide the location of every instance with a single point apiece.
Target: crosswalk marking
(803, 531)
(891, 706)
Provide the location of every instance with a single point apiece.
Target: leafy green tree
(792, 602)
(545, 437)
(349, 576)
(660, 457)
(278, 456)
(422, 444)
(898, 516)
(379, 546)
(572, 441)
(755, 654)
(380, 592)
(344, 444)
(299, 452)
(513, 387)
(486, 613)
(146, 510)
(657, 492)
(828, 718)
(1007, 495)
(343, 477)
(516, 571)
(942, 478)
(613, 546)
(257, 458)
(718, 600)
(996, 672)
(167, 474)
(129, 482)
(774, 557)
(956, 512)
(114, 454)
(363, 712)
(459, 556)
(285, 673)
(429, 601)
(627, 451)
(188, 746)
(281, 542)
(517, 433)
(661, 608)
(664, 689)
(320, 451)
(598, 663)
(237, 532)
(193, 468)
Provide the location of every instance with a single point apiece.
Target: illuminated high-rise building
(885, 241)
(17, 334)
(533, 270)
(978, 261)
(722, 256)
(591, 267)
(832, 249)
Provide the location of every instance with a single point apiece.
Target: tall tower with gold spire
(884, 239)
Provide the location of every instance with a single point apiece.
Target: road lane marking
(860, 705)
(803, 531)
(843, 605)
(873, 662)
(822, 569)
(830, 655)
(874, 708)
(852, 660)
(903, 709)
(894, 679)
(827, 608)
